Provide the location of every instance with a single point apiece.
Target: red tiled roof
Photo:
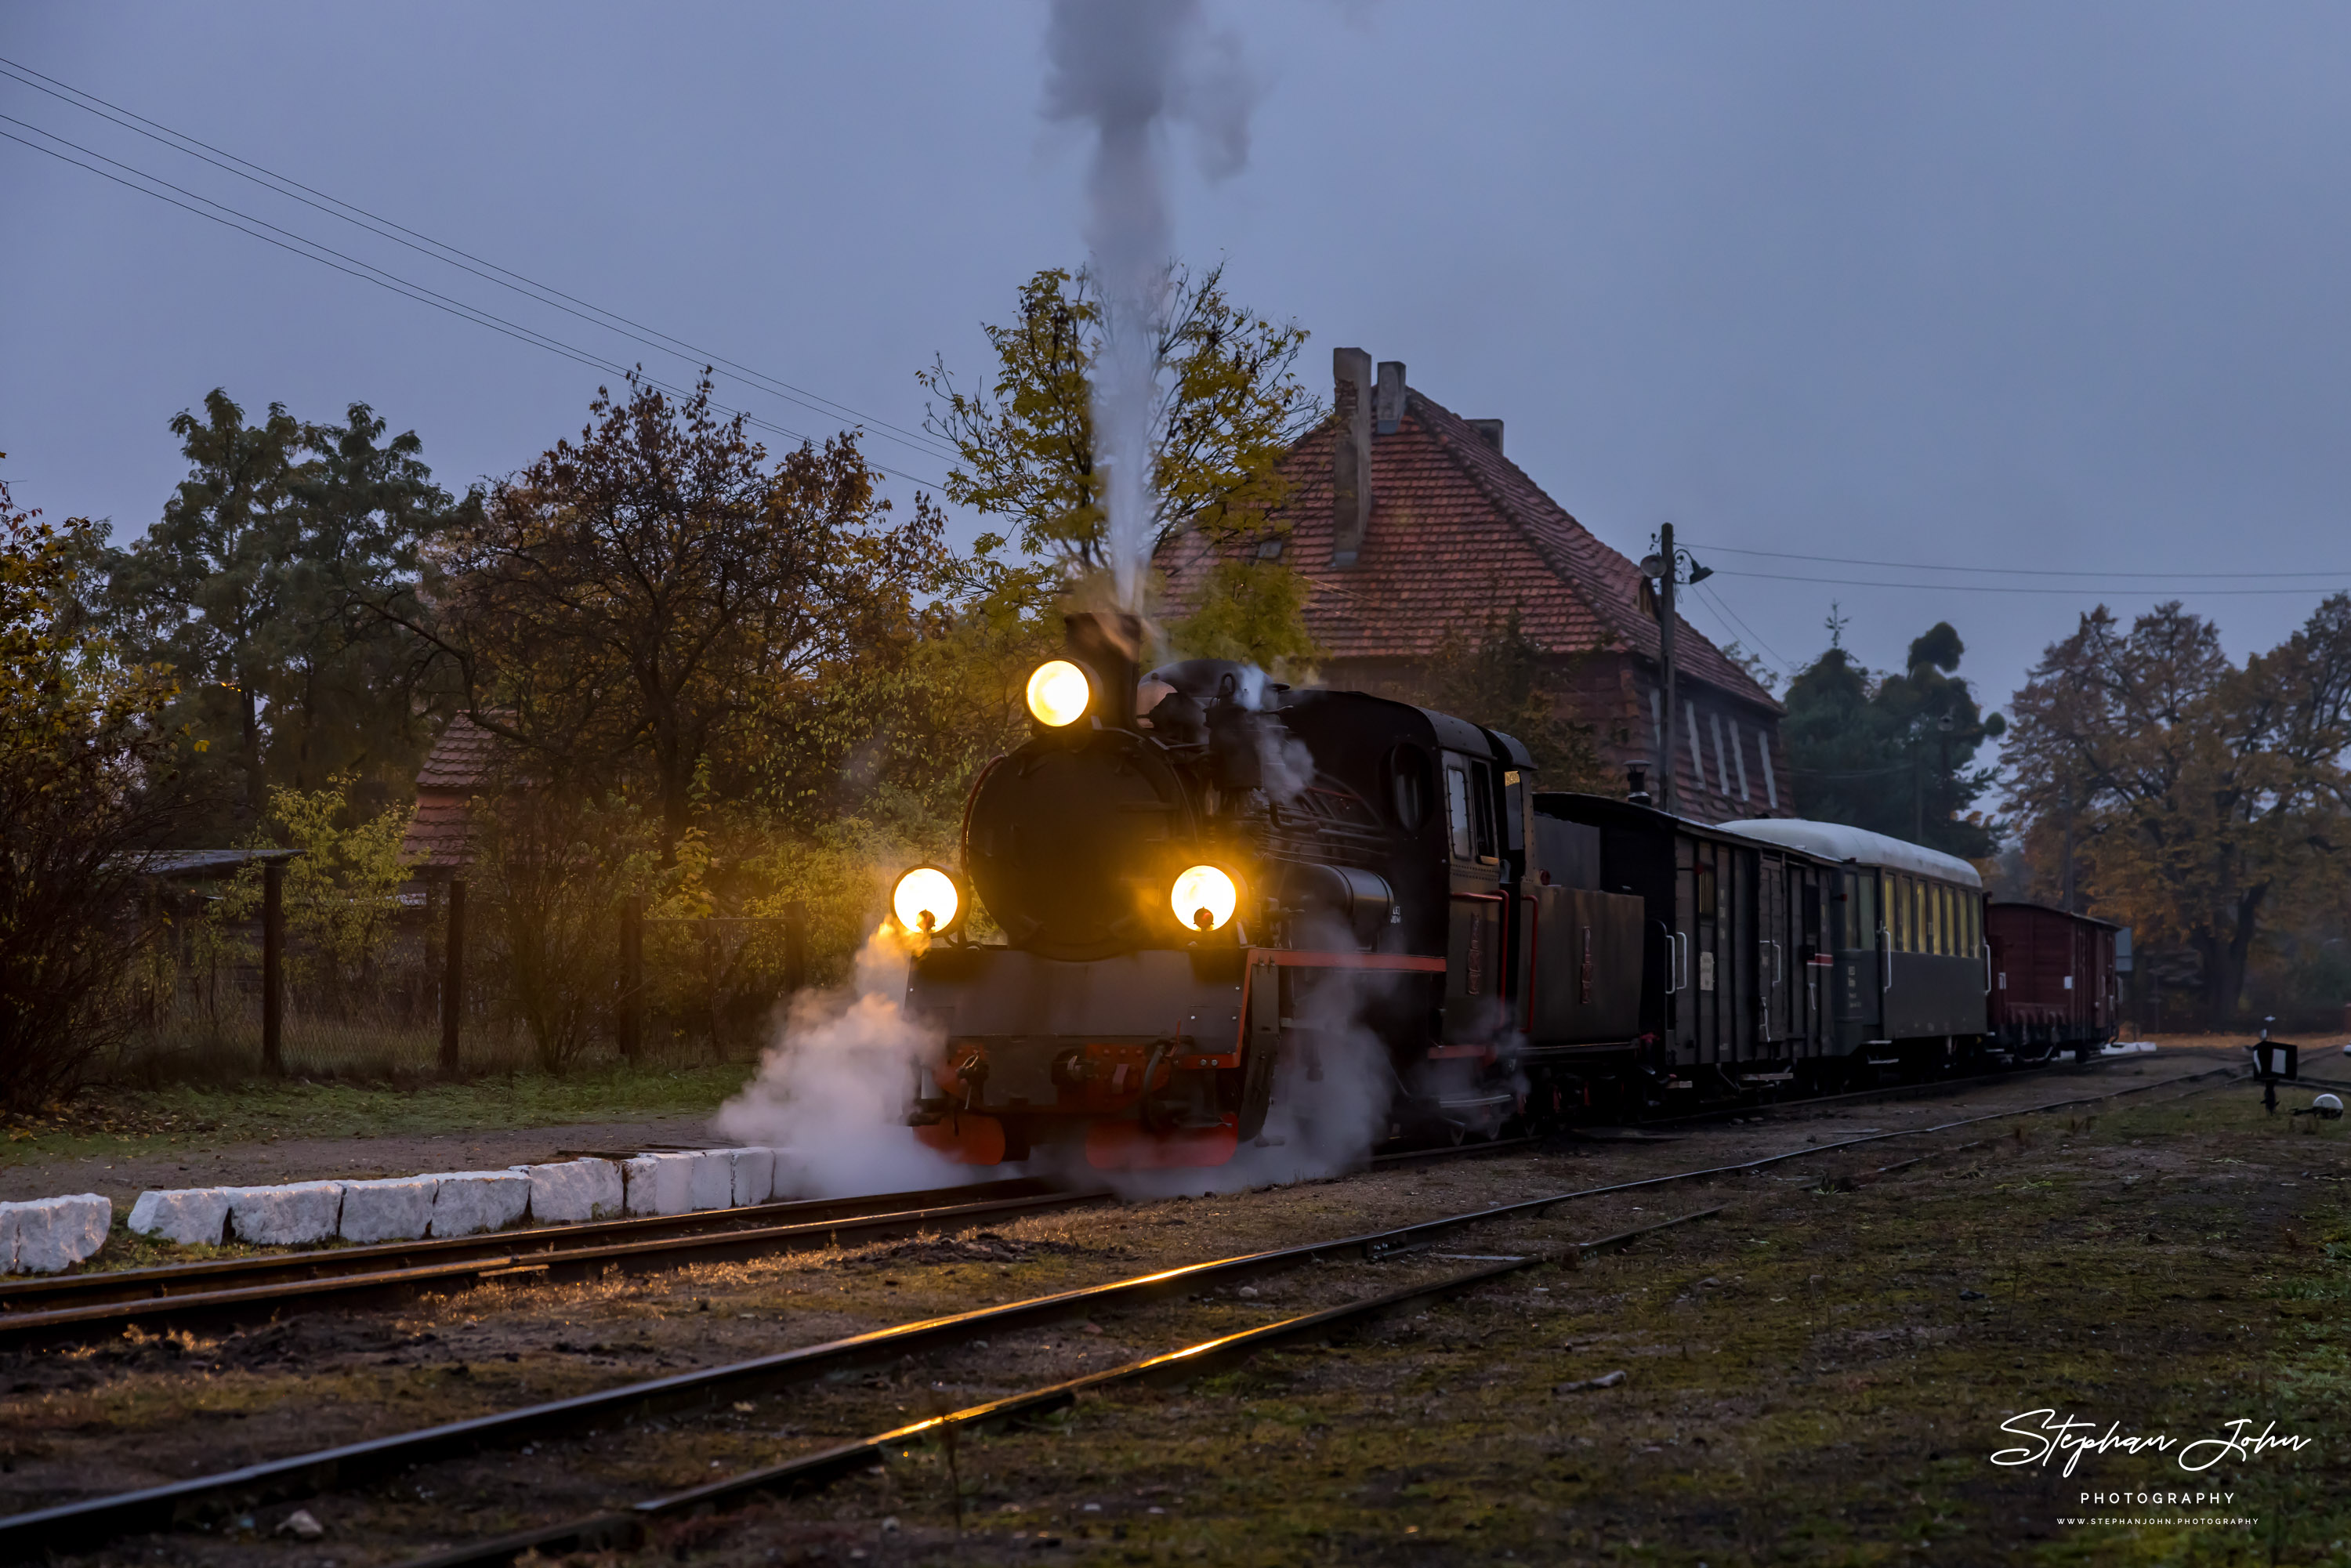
(461, 759)
(460, 766)
(1459, 533)
(440, 834)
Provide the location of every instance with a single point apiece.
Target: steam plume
(831, 1096)
(1126, 68)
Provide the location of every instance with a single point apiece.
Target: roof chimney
(1490, 431)
(1387, 404)
(1351, 455)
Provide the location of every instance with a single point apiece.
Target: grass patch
(1822, 1377)
(122, 1121)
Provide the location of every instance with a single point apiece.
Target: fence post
(273, 964)
(796, 948)
(452, 977)
(632, 1030)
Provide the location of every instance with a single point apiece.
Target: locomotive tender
(1209, 885)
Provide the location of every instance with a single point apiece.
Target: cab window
(1457, 811)
(1481, 810)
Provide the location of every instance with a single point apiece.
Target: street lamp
(1666, 567)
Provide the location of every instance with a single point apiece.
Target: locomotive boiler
(1207, 884)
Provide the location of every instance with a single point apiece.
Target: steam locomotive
(1209, 885)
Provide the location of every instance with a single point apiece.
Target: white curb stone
(574, 1191)
(192, 1217)
(464, 1202)
(54, 1233)
(659, 1184)
(755, 1174)
(712, 1184)
(285, 1216)
(395, 1208)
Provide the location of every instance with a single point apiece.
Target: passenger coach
(1906, 939)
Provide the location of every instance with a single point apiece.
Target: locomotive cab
(1205, 882)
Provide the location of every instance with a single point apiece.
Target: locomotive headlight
(927, 900)
(1205, 897)
(1058, 692)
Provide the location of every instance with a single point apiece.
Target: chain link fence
(429, 990)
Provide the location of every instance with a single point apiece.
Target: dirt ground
(1820, 1375)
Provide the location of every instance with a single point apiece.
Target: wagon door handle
(1884, 961)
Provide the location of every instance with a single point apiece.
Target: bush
(82, 752)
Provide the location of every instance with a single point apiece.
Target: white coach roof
(1837, 841)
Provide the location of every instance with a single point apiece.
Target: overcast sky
(2052, 287)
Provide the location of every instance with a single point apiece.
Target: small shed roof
(190, 864)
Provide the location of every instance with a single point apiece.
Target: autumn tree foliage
(1503, 679)
(2193, 799)
(252, 588)
(658, 600)
(82, 752)
(1874, 750)
(1230, 406)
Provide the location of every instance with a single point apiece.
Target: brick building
(1410, 524)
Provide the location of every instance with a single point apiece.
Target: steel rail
(1409, 1235)
(267, 1300)
(211, 1274)
(94, 1520)
(811, 1472)
(1885, 1093)
(38, 1309)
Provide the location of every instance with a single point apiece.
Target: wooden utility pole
(452, 977)
(632, 1030)
(1668, 797)
(273, 966)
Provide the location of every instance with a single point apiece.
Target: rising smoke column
(1128, 69)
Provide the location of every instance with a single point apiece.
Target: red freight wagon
(2052, 976)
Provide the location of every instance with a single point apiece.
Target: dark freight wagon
(2053, 985)
(1733, 942)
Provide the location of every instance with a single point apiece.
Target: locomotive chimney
(1351, 455)
(1106, 643)
(1388, 401)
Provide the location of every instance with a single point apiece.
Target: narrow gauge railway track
(365, 1276)
(1921, 1091)
(69, 1526)
(811, 1472)
(226, 1291)
(21, 1294)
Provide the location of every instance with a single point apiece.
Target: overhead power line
(326, 255)
(449, 254)
(2086, 588)
(1721, 606)
(1998, 570)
